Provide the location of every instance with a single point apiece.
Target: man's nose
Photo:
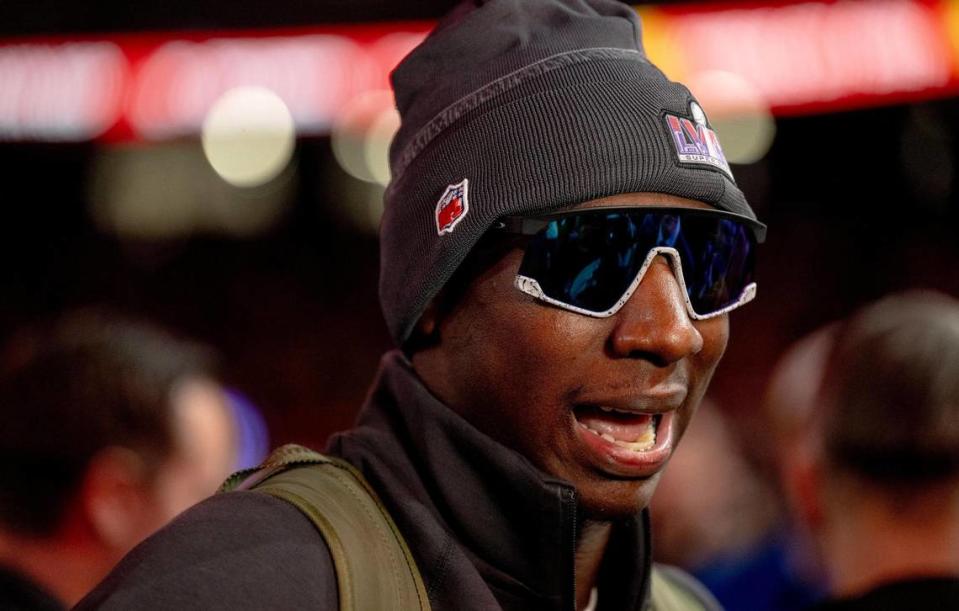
(654, 323)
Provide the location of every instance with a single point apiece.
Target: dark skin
(531, 365)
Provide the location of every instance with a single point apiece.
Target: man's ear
(426, 333)
(428, 324)
(805, 480)
(115, 497)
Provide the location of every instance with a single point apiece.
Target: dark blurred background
(856, 181)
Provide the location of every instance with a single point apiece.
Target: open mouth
(628, 442)
(630, 430)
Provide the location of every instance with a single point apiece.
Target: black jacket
(918, 593)
(487, 529)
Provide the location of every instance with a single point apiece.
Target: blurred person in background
(741, 552)
(108, 429)
(788, 405)
(878, 485)
(755, 553)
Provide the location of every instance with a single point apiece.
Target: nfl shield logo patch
(452, 207)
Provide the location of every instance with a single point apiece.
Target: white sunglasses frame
(532, 287)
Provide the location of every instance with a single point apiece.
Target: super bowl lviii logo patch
(452, 207)
(695, 142)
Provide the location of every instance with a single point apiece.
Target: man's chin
(614, 500)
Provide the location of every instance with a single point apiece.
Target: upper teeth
(618, 411)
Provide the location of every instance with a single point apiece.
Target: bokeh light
(67, 92)
(248, 136)
(253, 436)
(166, 191)
(361, 136)
(738, 112)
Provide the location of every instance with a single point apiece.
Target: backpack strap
(674, 590)
(375, 570)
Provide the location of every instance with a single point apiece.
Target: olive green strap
(375, 570)
(669, 593)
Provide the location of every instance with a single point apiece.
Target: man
(550, 363)
(879, 486)
(108, 429)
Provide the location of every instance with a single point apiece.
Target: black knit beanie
(526, 106)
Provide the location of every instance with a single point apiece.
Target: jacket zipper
(571, 497)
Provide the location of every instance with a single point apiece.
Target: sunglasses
(590, 261)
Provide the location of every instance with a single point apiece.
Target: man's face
(542, 380)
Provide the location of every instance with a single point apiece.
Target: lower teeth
(645, 442)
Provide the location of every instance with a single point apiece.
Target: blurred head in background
(879, 486)
(716, 515)
(108, 429)
(789, 408)
(791, 396)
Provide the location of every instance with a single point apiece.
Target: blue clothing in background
(764, 579)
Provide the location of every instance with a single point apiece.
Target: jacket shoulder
(239, 550)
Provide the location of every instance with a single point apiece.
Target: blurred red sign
(794, 57)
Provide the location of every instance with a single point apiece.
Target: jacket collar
(457, 495)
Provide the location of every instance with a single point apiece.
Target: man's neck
(868, 547)
(590, 549)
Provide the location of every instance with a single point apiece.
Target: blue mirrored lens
(589, 260)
